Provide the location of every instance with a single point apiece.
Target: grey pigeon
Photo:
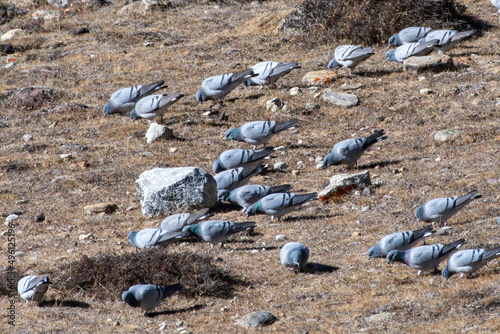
(496, 3)
(215, 88)
(279, 204)
(237, 177)
(399, 241)
(424, 258)
(447, 38)
(148, 296)
(153, 106)
(155, 238)
(217, 231)
(247, 195)
(468, 261)
(176, 223)
(294, 255)
(348, 152)
(350, 56)
(269, 72)
(259, 132)
(439, 210)
(32, 288)
(406, 51)
(239, 158)
(123, 100)
(408, 35)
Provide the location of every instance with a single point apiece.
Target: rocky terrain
(58, 155)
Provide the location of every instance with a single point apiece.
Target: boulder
(171, 190)
(319, 77)
(433, 62)
(255, 319)
(340, 99)
(342, 184)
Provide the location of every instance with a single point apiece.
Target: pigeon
(439, 210)
(123, 100)
(399, 241)
(496, 3)
(269, 72)
(279, 204)
(411, 50)
(447, 38)
(294, 255)
(32, 288)
(215, 88)
(153, 106)
(424, 258)
(468, 261)
(234, 178)
(348, 152)
(259, 132)
(239, 158)
(408, 35)
(349, 56)
(176, 222)
(148, 296)
(155, 238)
(247, 195)
(217, 231)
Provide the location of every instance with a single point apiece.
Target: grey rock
(170, 190)
(434, 62)
(342, 184)
(256, 319)
(295, 91)
(27, 137)
(446, 135)
(340, 99)
(311, 107)
(19, 254)
(157, 131)
(279, 166)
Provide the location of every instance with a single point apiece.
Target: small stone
(367, 191)
(179, 323)
(148, 44)
(355, 234)
(27, 137)
(319, 159)
(286, 108)
(295, 91)
(365, 208)
(116, 323)
(320, 166)
(346, 86)
(281, 237)
(254, 251)
(71, 250)
(300, 164)
(11, 34)
(173, 149)
(446, 135)
(101, 207)
(426, 91)
(10, 218)
(74, 243)
(132, 207)
(279, 166)
(66, 157)
(47, 15)
(434, 62)
(340, 99)
(319, 77)
(157, 131)
(380, 317)
(295, 172)
(40, 218)
(163, 325)
(310, 107)
(255, 319)
(342, 184)
(19, 254)
(89, 236)
(274, 104)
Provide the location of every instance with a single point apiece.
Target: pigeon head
(193, 229)
(333, 64)
(373, 252)
(107, 109)
(224, 195)
(331, 160)
(394, 40)
(133, 115)
(131, 237)
(446, 273)
(419, 213)
(253, 209)
(200, 97)
(396, 255)
(391, 55)
(218, 166)
(129, 298)
(231, 134)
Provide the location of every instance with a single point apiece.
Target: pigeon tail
(238, 227)
(244, 75)
(280, 189)
(374, 138)
(280, 126)
(423, 232)
(201, 214)
(448, 248)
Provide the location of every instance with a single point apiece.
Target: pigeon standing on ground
(406, 51)
(399, 241)
(217, 87)
(348, 152)
(269, 72)
(237, 177)
(279, 204)
(424, 258)
(294, 255)
(259, 132)
(154, 106)
(439, 210)
(349, 56)
(177, 222)
(447, 38)
(217, 231)
(148, 296)
(408, 35)
(32, 288)
(468, 261)
(496, 3)
(239, 158)
(250, 194)
(155, 238)
(123, 100)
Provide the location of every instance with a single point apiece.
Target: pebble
(132, 207)
(426, 91)
(27, 137)
(274, 104)
(295, 172)
(380, 317)
(71, 250)
(179, 323)
(19, 254)
(157, 131)
(255, 251)
(281, 237)
(340, 99)
(279, 166)
(10, 218)
(148, 44)
(163, 325)
(295, 91)
(365, 208)
(320, 166)
(446, 135)
(367, 191)
(311, 107)
(300, 164)
(173, 149)
(286, 108)
(319, 159)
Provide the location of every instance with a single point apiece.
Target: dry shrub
(373, 21)
(107, 276)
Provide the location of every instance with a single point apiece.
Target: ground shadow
(268, 248)
(318, 268)
(182, 310)
(225, 208)
(64, 303)
(380, 164)
(297, 218)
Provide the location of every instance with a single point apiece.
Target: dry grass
(193, 42)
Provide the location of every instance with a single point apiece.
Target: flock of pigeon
(234, 168)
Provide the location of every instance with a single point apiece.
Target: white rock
(27, 137)
(274, 104)
(172, 149)
(320, 166)
(66, 157)
(281, 237)
(10, 218)
(47, 15)
(286, 108)
(446, 135)
(157, 131)
(71, 250)
(280, 166)
(426, 91)
(163, 325)
(11, 34)
(341, 184)
(340, 99)
(319, 159)
(295, 91)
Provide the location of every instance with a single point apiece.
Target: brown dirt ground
(202, 40)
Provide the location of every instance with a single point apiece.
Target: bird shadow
(380, 164)
(377, 73)
(64, 303)
(225, 208)
(182, 310)
(299, 218)
(318, 268)
(268, 248)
